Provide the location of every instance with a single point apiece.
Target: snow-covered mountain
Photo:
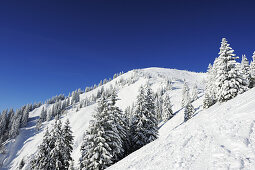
(172, 134)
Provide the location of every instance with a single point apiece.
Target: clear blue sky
(52, 47)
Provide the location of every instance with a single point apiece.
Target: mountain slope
(221, 137)
(127, 85)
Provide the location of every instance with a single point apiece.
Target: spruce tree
(144, 122)
(96, 150)
(25, 115)
(68, 142)
(43, 115)
(245, 71)
(210, 88)
(188, 111)
(42, 160)
(167, 109)
(57, 143)
(185, 94)
(229, 82)
(252, 71)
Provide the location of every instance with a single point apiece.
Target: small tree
(252, 71)
(188, 111)
(167, 109)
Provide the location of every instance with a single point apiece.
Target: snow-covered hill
(127, 85)
(221, 137)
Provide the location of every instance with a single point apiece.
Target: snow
(221, 137)
(25, 145)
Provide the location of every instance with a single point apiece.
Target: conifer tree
(42, 160)
(68, 142)
(96, 150)
(252, 71)
(144, 122)
(43, 115)
(194, 93)
(185, 94)
(167, 109)
(188, 111)
(228, 79)
(245, 71)
(25, 115)
(210, 88)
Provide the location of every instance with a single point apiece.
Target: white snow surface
(221, 137)
(180, 145)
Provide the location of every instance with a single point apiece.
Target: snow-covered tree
(144, 122)
(245, 71)
(25, 114)
(194, 93)
(58, 151)
(159, 107)
(252, 71)
(75, 97)
(15, 124)
(167, 109)
(229, 82)
(102, 142)
(42, 160)
(43, 115)
(188, 111)
(185, 94)
(210, 88)
(68, 142)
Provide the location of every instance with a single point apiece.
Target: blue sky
(53, 47)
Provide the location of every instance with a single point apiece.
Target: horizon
(49, 48)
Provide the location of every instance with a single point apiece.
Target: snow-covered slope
(221, 137)
(127, 86)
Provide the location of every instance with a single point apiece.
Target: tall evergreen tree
(210, 88)
(228, 80)
(42, 160)
(24, 118)
(68, 142)
(96, 150)
(144, 123)
(57, 143)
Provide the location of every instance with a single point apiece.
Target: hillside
(127, 85)
(221, 137)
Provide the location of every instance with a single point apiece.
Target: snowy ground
(26, 143)
(221, 137)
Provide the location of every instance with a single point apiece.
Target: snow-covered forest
(143, 119)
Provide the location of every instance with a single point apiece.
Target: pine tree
(42, 160)
(188, 111)
(96, 151)
(43, 115)
(228, 80)
(185, 94)
(15, 124)
(167, 109)
(159, 107)
(245, 71)
(210, 88)
(252, 71)
(25, 115)
(144, 123)
(57, 152)
(68, 142)
(194, 93)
